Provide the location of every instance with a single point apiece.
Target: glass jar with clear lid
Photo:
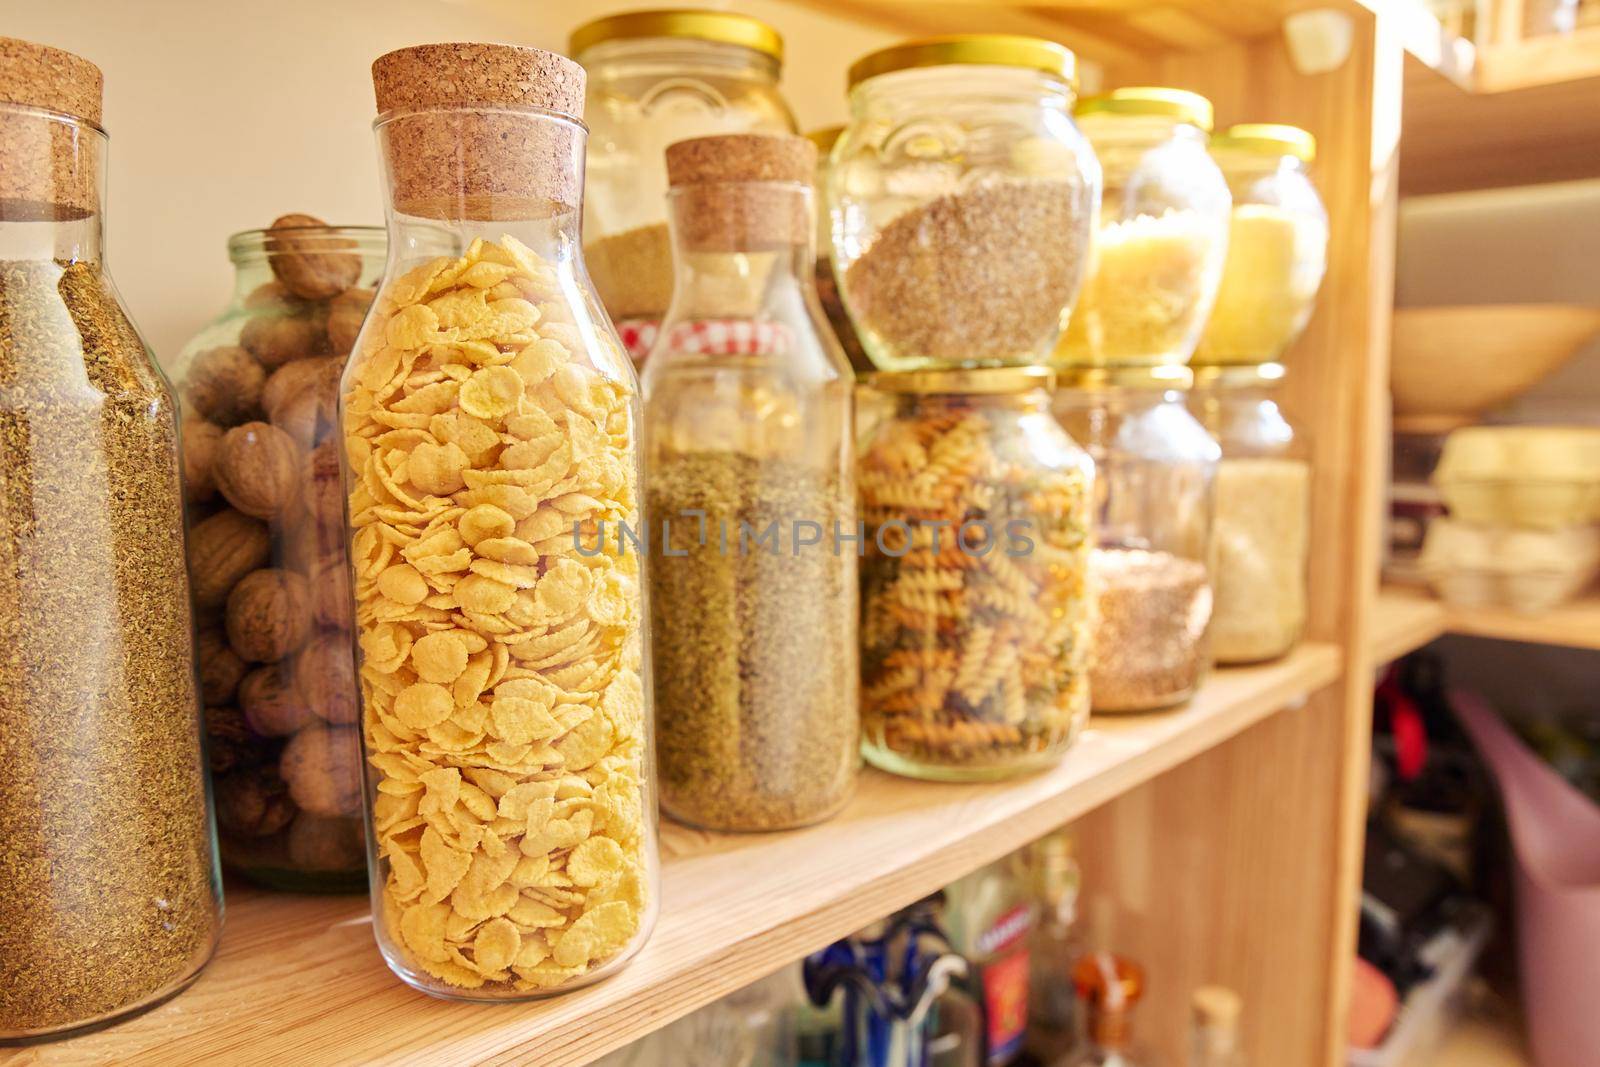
(490, 423)
(110, 900)
(975, 606)
(963, 197)
(827, 283)
(1277, 245)
(1263, 513)
(1162, 233)
(1155, 477)
(751, 494)
(259, 387)
(655, 78)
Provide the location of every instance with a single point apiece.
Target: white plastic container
(1543, 477)
(1526, 570)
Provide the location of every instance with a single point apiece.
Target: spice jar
(1162, 233)
(751, 495)
(1155, 471)
(1277, 245)
(490, 428)
(1263, 513)
(975, 609)
(260, 391)
(963, 198)
(110, 899)
(655, 78)
(827, 282)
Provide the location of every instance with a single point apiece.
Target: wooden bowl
(1451, 364)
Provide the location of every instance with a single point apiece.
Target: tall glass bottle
(1110, 986)
(752, 493)
(490, 426)
(989, 915)
(1053, 1015)
(110, 896)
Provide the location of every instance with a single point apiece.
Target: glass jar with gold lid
(655, 78)
(963, 197)
(1162, 233)
(1277, 245)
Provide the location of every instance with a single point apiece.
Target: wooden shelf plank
(1409, 618)
(1405, 619)
(299, 978)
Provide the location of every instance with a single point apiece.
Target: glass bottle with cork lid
(1277, 245)
(1162, 231)
(1215, 1038)
(111, 898)
(963, 199)
(748, 437)
(655, 78)
(1110, 986)
(490, 423)
(1155, 479)
(978, 522)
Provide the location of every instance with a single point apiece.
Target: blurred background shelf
(1408, 618)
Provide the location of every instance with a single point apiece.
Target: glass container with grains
(1263, 513)
(751, 499)
(1162, 234)
(490, 423)
(1277, 245)
(1151, 570)
(260, 393)
(974, 586)
(963, 198)
(827, 282)
(110, 900)
(655, 78)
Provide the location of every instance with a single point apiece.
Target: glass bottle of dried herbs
(751, 501)
(109, 898)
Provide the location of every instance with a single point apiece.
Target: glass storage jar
(1277, 245)
(751, 490)
(1162, 234)
(827, 283)
(1155, 476)
(260, 391)
(655, 78)
(490, 422)
(963, 198)
(974, 602)
(1263, 513)
(110, 900)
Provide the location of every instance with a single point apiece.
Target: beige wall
(225, 114)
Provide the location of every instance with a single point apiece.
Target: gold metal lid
(1155, 100)
(987, 381)
(825, 138)
(1161, 377)
(1269, 139)
(723, 27)
(1207, 375)
(973, 49)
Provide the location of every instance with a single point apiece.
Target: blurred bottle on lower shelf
(989, 915)
(1110, 987)
(1054, 1017)
(1215, 1040)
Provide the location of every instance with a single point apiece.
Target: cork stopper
(741, 192)
(480, 131)
(51, 170)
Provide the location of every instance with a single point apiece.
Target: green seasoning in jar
(975, 608)
(753, 592)
(110, 900)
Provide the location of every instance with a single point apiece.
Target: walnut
(309, 263)
(200, 440)
(253, 803)
(258, 469)
(319, 843)
(276, 338)
(325, 677)
(224, 385)
(222, 550)
(229, 742)
(346, 313)
(270, 702)
(273, 296)
(295, 375)
(269, 615)
(324, 486)
(322, 765)
(311, 415)
(220, 667)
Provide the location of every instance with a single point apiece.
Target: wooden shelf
(1408, 618)
(1404, 620)
(300, 978)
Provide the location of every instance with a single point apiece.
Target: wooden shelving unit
(297, 978)
(1409, 618)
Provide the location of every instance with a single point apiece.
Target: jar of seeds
(260, 392)
(963, 198)
(827, 281)
(752, 504)
(1263, 522)
(975, 609)
(110, 896)
(490, 422)
(1151, 571)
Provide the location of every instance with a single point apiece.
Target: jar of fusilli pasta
(1151, 570)
(974, 577)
